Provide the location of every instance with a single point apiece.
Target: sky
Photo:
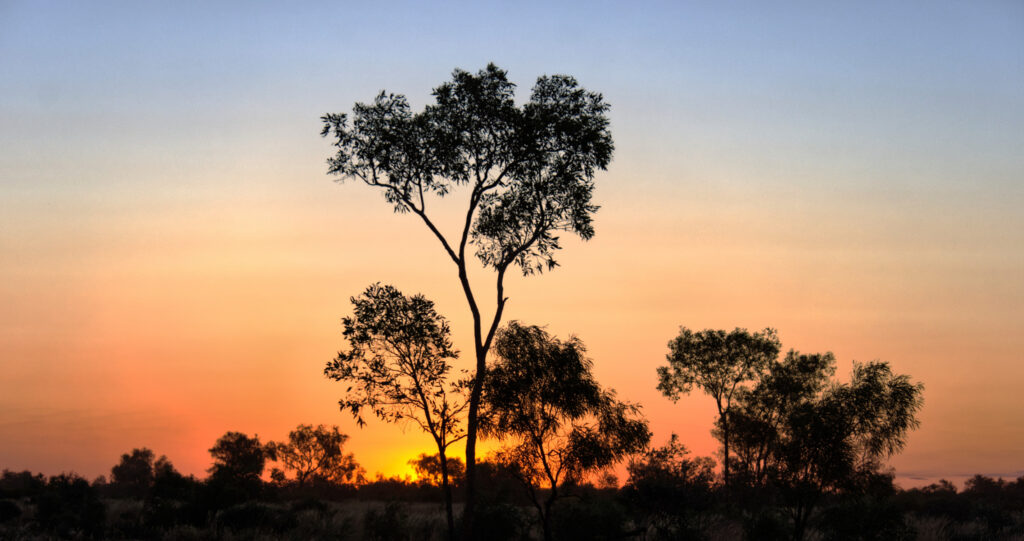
(175, 261)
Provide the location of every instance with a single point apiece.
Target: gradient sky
(174, 261)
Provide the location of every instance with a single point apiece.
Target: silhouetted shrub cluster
(668, 495)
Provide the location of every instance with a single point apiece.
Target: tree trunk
(468, 513)
(447, 487)
(546, 516)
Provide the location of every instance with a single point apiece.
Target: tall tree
(317, 453)
(557, 421)
(397, 367)
(720, 363)
(528, 171)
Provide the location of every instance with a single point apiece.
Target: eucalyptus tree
(721, 364)
(830, 441)
(528, 171)
(557, 422)
(397, 367)
(317, 453)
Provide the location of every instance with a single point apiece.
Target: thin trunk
(723, 414)
(447, 487)
(546, 517)
(468, 513)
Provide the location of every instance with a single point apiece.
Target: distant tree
(317, 454)
(23, 484)
(670, 491)
(397, 366)
(720, 363)
(428, 469)
(133, 475)
(808, 436)
(558, 423)
(240, 459)
(529, 171)
(759, 412)
(169, 483)
(71, 508)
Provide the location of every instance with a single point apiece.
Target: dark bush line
(653, 504)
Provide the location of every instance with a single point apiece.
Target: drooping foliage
(719, 363)
(557, 422)
(397, 366)
(317, 454)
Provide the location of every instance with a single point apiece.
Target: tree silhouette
(133, 475)
(719, 363)
(760, 412)
(315, 453)
(807, 436)
(529, 172)
(397, 366)
(238, 463)
(428, 469)
(559, 424)
(670, 491)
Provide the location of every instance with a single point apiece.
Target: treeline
(667, 495)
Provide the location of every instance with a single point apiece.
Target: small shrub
(9, 510)
(390, 524)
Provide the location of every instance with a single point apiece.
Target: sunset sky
(174, 260)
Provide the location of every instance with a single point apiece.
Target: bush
(9, 510)
(390, 524)
(70, 507)
(501, 522)
(596, 518)
(256, 516)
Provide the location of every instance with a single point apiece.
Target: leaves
(397, 363)
(542, 399)
(530, 169)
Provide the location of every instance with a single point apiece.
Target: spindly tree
(720, 363)
(557, 422)
(528, 172)
(397, 366)
(316, 453)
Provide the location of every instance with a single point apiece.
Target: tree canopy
(397, 366)
(557, 421)
(720, 363)
(317, 454)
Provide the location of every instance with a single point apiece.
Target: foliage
(70, 507)
(557, 421)
(238, 463)
(528, 170)
(808, 437)
(133, 475)
(397, 363)
(397, 366)
(428, 469)
(720, 363)
(21, 484)
(669, 492)
(315, 453)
